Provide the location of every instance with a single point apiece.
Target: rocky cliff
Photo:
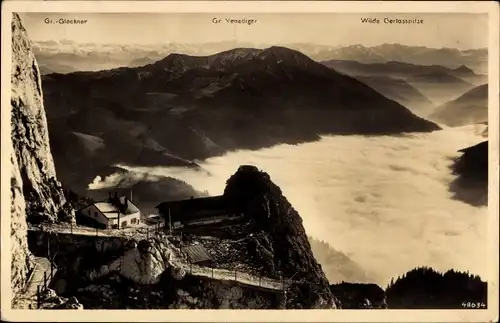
(252, 191)
(21, 263)
(42, 192)
(35, 192)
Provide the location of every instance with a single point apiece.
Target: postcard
(250, 161)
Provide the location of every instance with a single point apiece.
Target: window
(124, 224)
(133, 221)
(115, 226)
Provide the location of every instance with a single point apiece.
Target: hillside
(435, 82)
(239, 99)
(400, 91)
(398, 69)
(337, 266)
(469, 108)
(452, 58)
(426, 288)
(439, 86)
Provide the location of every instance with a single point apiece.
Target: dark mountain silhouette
(471, 168)
(469, 108)
(473, 162)
(425, 288)
(463, 70)
(191, 107)
(400, 91)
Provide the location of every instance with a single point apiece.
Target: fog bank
(383, 201)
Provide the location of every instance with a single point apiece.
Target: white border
(489, 315)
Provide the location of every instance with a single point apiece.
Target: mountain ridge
(218, 103)
(469, 108)
(131, 55)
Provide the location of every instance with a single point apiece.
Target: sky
(456, 30)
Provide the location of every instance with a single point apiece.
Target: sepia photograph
(216, 158)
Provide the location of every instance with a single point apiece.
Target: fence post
(260, 280)
(45, 280)
(235, 276)
(212, 272)
(38, 296)
(71, 226)
(96, 231)
(48, 245)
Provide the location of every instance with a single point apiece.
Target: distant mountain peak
(271, 56)
(463, 70)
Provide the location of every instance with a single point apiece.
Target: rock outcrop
(42, 193)
(50, 300)
(360, 296)
(252, 191)
(21, 262)
(142, 263)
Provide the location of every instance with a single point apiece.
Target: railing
(257, 280)
(244, 277)
(42, 289)
(70, 228)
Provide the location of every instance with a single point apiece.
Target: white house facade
(114, 213)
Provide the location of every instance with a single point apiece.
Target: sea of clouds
(383, 201)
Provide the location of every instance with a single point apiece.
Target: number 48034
(473, 305)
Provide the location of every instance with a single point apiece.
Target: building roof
(196, 254)
(110, 208)
(193, 208)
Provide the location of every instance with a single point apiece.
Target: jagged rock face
(50, 300)
(42, 192)
(252, 191)
(143, 264)
(21, 262)
(202, 293)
